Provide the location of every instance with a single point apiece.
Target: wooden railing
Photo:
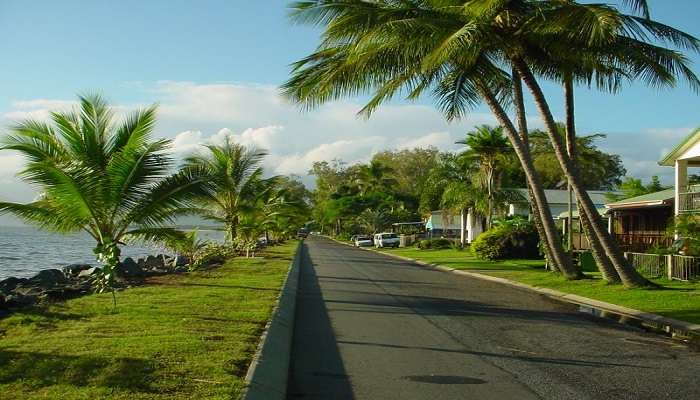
(689, 202)
(684, 268)
(639, 243)
(652, 265)
(673, 266)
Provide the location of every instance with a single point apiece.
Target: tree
(457, 48)
(395, 48)
(235, 176)
(110, 180)
(633, 187)
(373, 176)
(488, 147)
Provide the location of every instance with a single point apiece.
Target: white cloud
(441, 140)
(193, 114)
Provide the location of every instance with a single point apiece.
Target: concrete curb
(269, 370)
(555, 294)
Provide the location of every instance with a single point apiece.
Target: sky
(214, 68)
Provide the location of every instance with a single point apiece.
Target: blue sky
(214, 66)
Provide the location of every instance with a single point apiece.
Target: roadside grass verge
(178, 337)
(679, 300)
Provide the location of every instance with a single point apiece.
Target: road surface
(369, 326)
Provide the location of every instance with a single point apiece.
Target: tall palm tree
(488, 147)
(458, 49)
(383, 47)
(373, 176)
(235, 177)
(109, 179)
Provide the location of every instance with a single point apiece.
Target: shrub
(435, 244)
(213, 253)
(507, 240)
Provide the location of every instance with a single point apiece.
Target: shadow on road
(316, 370)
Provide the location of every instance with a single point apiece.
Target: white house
(558, 201)
(683, 156)
(442, 223)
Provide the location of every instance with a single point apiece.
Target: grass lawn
(178, 337)
(679, 300)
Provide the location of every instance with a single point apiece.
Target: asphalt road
(369, 326)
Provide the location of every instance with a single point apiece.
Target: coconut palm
(458, 49)
(488, 147)
(374, 176)
(235, 178)
(373, 221)
(382, 47)
(109, 179)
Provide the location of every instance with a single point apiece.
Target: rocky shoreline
(79, 279)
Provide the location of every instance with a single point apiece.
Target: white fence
(673, 266)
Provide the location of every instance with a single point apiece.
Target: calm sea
(24, 250)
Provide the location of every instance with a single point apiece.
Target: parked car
(302, 233)
(386, 240)
(363, 241)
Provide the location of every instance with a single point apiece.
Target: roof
(574, 213)
(562, 196)
(656, 199)
(681, 148)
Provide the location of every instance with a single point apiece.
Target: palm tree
(236, 180)
(384, 47)
(488, 147)
(458, 48)
(373, 221)
(107, 179)
(373, 176)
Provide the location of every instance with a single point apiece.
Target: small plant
(512, 239)
(434, 244)
(211, 254)
(188, 245)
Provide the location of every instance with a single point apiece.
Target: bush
(435, 244)
(507, 240)
(213, 253)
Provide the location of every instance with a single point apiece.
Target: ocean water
(25, 250)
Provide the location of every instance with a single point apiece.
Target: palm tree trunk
(602, 261)
(548, 242)
(559, 258)
(629, 276)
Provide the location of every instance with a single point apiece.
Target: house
(641, 222)
(558, 201)
(442, 223)
(685, 155)
(445, 224)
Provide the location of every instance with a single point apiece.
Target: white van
(386, 240)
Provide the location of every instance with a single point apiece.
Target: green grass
(178, 337)
(679, 300)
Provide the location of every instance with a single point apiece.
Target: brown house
(641, 222)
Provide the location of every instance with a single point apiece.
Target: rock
(87, 273)
(181, 261)
(47, 279)
(3, 303)
(9, 284)
(154, 262)
(128, 269)
(141, 262)
(29, 290)
(74, 270)
(180, 269)
(19, 300)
